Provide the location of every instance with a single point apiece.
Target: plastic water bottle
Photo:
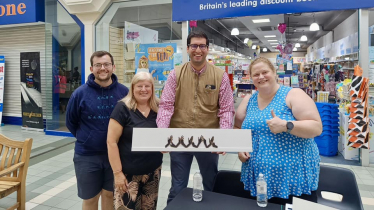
(197, 194)
(262, 198)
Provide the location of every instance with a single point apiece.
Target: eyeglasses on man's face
(201, 46)
(99, 65)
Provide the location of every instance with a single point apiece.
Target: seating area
(15, 157)
(334, 180)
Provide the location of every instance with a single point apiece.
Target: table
(215, 201)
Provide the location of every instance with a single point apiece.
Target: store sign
(157, 59)
(184, 10)
(2, 80)
(31, 96)
(21, 11)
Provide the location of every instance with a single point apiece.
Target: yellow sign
(160, 54)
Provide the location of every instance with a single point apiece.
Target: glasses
(201, 46)
(99, 65)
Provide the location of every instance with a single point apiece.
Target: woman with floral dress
(136, 174)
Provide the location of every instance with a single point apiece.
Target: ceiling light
(254, 47)
(273, 43)
(273, 40)
(265, 49)
(314, 27)
(270, 36)
(297, 45)
(303, 38)
(246, 40)
(235, 31)
(294, 49)
(261, 21)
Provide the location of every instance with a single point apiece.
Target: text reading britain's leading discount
(245, 3)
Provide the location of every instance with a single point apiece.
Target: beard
(101, 79)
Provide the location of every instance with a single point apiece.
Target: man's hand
(276, 124)
(243, 156)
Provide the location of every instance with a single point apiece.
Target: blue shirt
(88, 113)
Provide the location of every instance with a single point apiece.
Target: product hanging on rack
(358, 128)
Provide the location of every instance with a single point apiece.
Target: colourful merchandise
(358, 128)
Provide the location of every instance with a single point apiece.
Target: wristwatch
(289, 126)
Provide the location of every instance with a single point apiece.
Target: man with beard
(196, 95)
(87, 118)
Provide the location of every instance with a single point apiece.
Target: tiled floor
(51, 182)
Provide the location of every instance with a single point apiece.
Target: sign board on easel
(2, 80)
(31, 96)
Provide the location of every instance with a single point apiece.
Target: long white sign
(192, 140)
(2, 79)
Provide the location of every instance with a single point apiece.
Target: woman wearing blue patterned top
(284, 122)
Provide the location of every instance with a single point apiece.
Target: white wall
(346, 28)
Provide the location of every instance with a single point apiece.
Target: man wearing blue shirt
(87, 118)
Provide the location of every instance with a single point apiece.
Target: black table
(214, 201)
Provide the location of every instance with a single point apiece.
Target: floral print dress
(141, 194)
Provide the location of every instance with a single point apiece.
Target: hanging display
(358, 128)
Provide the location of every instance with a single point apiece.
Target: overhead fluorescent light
(294, 49)
(273, 43)
(270, 36)
(261, 20)
(272, 40)
(254, 47)
(297, 45)
(246, 40)
(265, 49)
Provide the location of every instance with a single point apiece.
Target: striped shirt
(226, 102)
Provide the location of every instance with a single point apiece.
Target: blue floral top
(289, 163)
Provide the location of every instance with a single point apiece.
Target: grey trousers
(180, 166)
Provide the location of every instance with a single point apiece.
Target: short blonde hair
(130, 100)
(263, 60)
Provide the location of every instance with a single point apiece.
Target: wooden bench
(15, 157)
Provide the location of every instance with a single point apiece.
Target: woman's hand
(243, 156)
(276, 124)
(120, 181)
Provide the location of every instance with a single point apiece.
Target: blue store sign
(184, 10)
(21, 11)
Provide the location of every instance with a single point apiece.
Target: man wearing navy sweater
(87, 118)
